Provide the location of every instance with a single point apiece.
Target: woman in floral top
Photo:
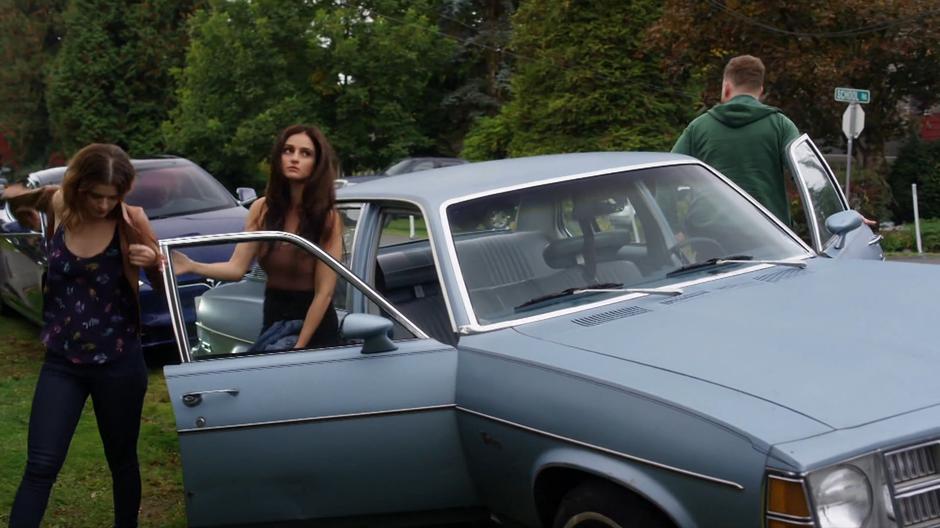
(91, 326)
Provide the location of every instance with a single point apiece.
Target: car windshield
(525, 252)
(175, 190)
(399, 168)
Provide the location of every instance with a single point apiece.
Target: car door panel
(317, 434)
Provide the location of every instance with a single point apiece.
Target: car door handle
(192, 399)
(875, 239)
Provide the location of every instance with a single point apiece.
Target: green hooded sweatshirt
(746, 141)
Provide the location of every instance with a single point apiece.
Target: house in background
(930, 126)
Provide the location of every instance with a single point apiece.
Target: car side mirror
(246, 195)
(372, 329)
(843, 223)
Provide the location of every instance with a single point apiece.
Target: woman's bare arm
(324, 283)
(241, 259)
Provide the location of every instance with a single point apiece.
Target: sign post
(853, 122)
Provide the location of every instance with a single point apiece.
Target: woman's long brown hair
(319, 196)
(95, 164)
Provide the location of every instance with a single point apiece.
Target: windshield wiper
(733, 259)
(609, 287)
(600, 287)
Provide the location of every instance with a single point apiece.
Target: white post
(920, 248)
(411, 226)
(848, 170)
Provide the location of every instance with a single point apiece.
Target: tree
(583, 81)
(390, 60)
(30, 33)
(110, 81)
(810, 47)
(358, 70)
(477, 84)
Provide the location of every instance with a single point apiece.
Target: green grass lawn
(82, 494)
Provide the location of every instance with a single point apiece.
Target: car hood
(844, 343)
(228, 220)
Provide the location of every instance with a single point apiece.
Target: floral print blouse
(89, 309)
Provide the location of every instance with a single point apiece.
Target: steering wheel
(705, 248)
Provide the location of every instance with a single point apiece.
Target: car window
(421, 165)
(406, 274)
(264, 312)
(176, 190)
(821, 197)
(402, 227)
(628, 229)
(349, 214)
(401, 167)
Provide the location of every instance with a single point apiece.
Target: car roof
(54, 175)
(432, 187)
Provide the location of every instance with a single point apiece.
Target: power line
(863, 30)
(532, 60)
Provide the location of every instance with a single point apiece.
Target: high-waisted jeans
(117, 392)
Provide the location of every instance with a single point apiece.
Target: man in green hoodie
(743, 138)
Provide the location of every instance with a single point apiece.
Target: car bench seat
(505, 270)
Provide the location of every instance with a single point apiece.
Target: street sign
(853, 121)
(853, 95)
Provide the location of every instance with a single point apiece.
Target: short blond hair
(745, 71)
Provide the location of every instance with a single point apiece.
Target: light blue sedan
(704, 367)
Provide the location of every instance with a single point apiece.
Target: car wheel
(598, 504)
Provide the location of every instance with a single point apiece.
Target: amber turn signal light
(786, 497)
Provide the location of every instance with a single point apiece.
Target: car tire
(599, 504)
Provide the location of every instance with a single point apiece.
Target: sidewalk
(926, 258)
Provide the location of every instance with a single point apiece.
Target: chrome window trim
(474, 325)
(804, 191)
(315, 419)
(169, 278)
(605, 450)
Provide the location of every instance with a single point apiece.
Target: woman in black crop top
(300, 199)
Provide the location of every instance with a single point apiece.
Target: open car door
(22, 265)
(364, 430)
(822, 197)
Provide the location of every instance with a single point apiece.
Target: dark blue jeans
(117, 392)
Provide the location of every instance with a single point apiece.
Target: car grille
(916, 484)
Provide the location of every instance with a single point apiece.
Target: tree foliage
(584, 80)
(918, 162)
(358, 70)
(110, 80)
(810, 47)
(29, 39)
(478, 77)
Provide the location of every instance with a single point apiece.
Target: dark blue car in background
(179, 197)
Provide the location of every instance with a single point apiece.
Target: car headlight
(843, 498)
(852, 494)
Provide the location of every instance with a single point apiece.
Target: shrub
(871, 194)
(918, 162)
(902, 238)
